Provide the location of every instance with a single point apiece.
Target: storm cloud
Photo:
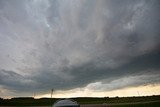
(78, 43)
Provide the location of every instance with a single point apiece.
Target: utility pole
(52, 92)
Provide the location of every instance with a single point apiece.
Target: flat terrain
(147, 101)
(139, 104)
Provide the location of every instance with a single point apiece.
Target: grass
(147, 101)
(151, 104)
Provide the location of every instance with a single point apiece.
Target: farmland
(147, 101)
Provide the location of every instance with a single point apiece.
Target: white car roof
(65, 102)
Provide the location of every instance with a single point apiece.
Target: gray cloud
(69, 44)
(15, 81)
(126, 81)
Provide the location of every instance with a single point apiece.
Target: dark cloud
(145, 65)
(15, 81)
(70, 44)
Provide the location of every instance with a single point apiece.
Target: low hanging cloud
(126, 81)
(68, 44)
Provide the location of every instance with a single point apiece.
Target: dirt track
(114, 104)
(94, 105)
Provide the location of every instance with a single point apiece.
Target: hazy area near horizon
(79, 48)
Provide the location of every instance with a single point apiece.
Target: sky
(79, 48)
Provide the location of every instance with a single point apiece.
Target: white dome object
(66, 103)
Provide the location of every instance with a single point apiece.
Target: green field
(147, 101)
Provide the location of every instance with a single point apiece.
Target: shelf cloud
(78, 43)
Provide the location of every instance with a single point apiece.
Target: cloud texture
(63, 44)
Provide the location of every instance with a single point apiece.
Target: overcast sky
(103, 45)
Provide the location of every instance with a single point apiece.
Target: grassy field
(147, 101)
